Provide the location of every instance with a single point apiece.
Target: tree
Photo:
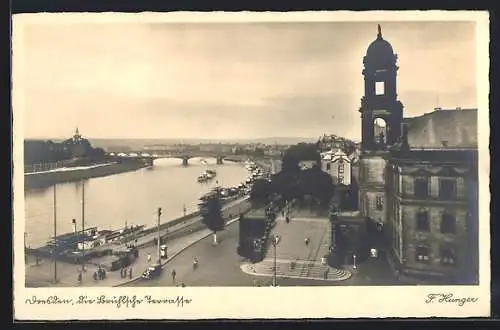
(211, 212)
(261, 189)
(297, 153)
(286, 185)
(316, 183)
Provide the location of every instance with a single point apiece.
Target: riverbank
(48, 178)
(178, 237)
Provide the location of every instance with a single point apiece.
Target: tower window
(379, 88)
(380, 131)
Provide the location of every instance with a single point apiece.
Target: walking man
(173, 275)
(130, 273)
(306, 241)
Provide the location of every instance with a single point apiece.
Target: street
(220, 266)
(42, 275)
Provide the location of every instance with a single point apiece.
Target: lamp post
(83, 226)
(275, 241)
(158, 240)
(354, 261)
(55, 236)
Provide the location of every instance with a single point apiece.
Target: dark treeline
(36, 152)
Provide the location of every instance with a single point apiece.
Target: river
(130, 198)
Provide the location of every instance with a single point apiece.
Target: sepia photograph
(339, 154)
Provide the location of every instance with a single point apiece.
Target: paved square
(292, 246)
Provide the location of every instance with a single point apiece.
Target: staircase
(302, 269)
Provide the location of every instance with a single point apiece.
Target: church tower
(381, 125)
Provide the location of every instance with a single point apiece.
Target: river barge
(76, 247)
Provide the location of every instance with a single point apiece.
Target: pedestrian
(103, 273)
(306, 241)
(130, 273)
(79, 277)
(149, 257)
(287, 220)
(183, 285)
(121, 272)
(326, 273)
(95, 276)
(173, 275)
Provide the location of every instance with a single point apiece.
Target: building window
(423, 221)
(422, 254)
(447, 255)
(447, 223)
(379, 88)
(379, 202)
(328, 166)
(341, 171)
(447, 189)
(421, 187)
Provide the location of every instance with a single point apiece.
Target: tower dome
(380, 51)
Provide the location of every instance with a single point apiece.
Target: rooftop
(443, 129)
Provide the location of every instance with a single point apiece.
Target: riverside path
(178, 237)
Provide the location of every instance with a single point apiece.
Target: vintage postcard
(251, 165)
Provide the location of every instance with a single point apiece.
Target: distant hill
(139, 143)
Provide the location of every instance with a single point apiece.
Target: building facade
(432, 196)
(418, 177)
(338, 165)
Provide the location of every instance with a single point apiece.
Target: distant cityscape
(399, 208)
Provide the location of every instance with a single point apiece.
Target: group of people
(99, 274)
(124, 271)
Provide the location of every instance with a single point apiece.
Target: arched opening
(380, 132)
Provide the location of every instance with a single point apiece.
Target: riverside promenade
(178, 237)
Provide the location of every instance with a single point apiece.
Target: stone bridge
(184, 156)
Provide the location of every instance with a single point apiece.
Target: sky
(230, 80)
